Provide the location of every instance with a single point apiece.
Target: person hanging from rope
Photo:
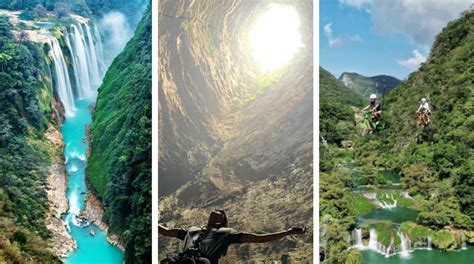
(375, 108)
(209, 243)
(425, 111)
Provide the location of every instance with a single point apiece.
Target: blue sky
(374, 37)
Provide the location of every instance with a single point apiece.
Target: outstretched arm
(263, 238)
(169, 232)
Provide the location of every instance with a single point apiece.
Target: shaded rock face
(380, 84)
(204, 72)
(226, 142)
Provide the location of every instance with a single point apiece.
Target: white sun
(275, 38)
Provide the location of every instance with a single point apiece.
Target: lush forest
(119, 166)
(337, 123)
(25, 153)
(87, 8)
(438, 159)
(434, 163)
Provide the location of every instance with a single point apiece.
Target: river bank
(94, 211)
(61, 241)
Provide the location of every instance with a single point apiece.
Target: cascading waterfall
(63, 83)
(429, 242)
(463, 241)
(357, 238)
(87, 62)
(99, 50)
(405, 245)
(377, 246)
(382, 204)
(94, 66)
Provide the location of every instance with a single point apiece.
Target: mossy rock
(362, 205)
(469, 237)
(386, 231)
(418, 234)
(445, 240)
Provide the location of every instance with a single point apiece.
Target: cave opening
(275, 37)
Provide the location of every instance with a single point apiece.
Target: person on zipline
(375, 108)
(212, 241)
(425, 110)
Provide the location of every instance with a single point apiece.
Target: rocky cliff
(228, 140)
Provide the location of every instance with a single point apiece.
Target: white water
(463, 241)
(403, 249)
(87, 58)
(405, 245)
(429, 242)
(382, 204)
(357, 238)
(63, 83)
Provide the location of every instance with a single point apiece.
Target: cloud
(414, 62)
(338, 41)
(359, 4)
(334, 42)
(420, 20)
(356, 38)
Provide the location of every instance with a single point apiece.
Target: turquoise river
(92, 245)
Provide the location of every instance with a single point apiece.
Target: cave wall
(204, 71)
(252, 158)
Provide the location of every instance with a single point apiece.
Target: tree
(418, 179)
(62, 9)
(40, 11)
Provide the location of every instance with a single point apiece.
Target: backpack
(190, 255)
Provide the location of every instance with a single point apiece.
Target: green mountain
(119, 166)
(434, 164)
(26, 151)
(380, 85)
(446, 148)
(336, 117)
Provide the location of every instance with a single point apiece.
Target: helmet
(423, 100)
(373, 96)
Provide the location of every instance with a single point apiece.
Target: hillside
(27, 151)
(364, 86)
(445, 148)
(336, 117)
(119, 166)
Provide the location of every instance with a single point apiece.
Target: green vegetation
(386, 233)
(338, 207)
(25, 153)
(336, 118)
(444, 240)
(436, 163)
(119, 167)
(361, 205)
(415, 232)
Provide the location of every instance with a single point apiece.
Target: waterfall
(94, 65)
(99, 51)
(429, 242)
(63, 83)
(373, 239)
(357, 238)
(463, 241)
(377, 246)
(382, 204)
(78, 51)
(404, 245)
